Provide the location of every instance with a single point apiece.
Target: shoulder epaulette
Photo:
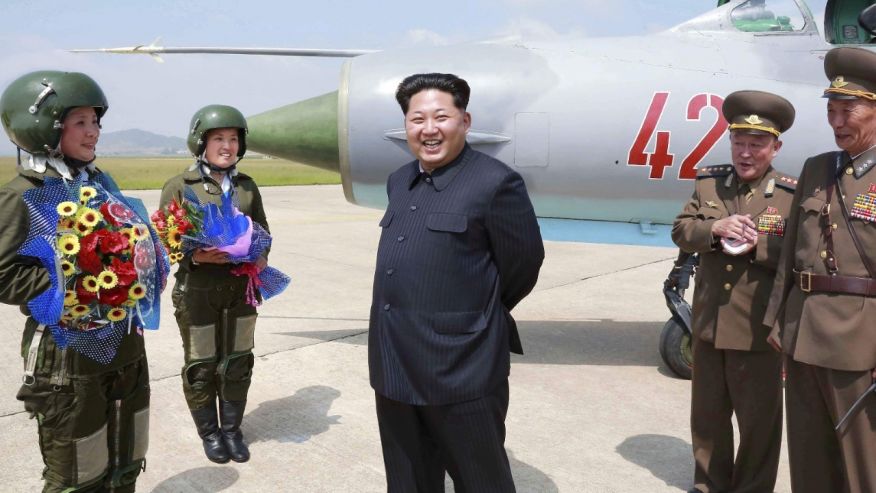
(714, 171)
(788, 182)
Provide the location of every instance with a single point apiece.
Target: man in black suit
(460, 248)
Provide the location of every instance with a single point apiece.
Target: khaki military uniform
(734, 368)
(216, 324)
(828, 326)
(93, 419)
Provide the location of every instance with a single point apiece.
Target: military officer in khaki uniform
(216, 323)
(735, 221)
(823, 305)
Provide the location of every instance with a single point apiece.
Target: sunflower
(70, 298)
(108, 279)
(91, 284)
(66, 223)
(89, 217)
(67, 208)
(82, 229)
(137, 291)
(174, 237)
(128, 233)
(80, 311)
(117, 314)
(68, 244)
(140, 232)
(68, 268)
(175, 257)
(130, 303)
(86, 194)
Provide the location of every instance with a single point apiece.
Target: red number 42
(661, 158)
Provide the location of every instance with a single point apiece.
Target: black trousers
(465, 439)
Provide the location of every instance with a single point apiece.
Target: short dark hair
(449, 83)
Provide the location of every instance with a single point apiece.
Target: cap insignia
(840, 81)
(753, 120)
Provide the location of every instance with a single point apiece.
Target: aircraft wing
(155, 50)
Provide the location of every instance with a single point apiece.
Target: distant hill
(134, 142)
(137, 142)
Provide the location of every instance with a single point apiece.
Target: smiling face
(752, 154)
(435, 128)
(854, 124)
(80, 133)
(222, 147)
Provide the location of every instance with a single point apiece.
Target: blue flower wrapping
(223, 225)
(99, 344)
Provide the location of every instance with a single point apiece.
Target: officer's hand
(736, 226)
(774, 341)
(874, 374)
(203, 256)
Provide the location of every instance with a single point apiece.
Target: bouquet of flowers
(187, 225)
(178, 220)
(104, 268)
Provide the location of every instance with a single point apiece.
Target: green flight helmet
(33, 107)
(215, 116)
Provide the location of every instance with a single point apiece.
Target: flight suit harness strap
(32, 355)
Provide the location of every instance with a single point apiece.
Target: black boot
(208, 429)
(231, 413)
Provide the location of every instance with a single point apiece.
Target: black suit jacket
(459, 249)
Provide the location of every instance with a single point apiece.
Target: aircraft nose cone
(305, 132)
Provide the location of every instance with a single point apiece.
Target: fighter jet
(607, 132)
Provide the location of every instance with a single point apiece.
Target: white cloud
(530, 28)
(425, 36)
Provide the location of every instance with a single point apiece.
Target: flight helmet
(33, 107)
(211, 117)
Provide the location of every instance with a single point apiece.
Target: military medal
(770, 188)
(771, 223)
(865, 205)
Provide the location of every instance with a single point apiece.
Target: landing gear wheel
(675, 349)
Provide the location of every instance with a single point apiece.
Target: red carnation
(88, 259)
(115, 296)
(84, 296)
(108, 216)
(159, 219)
(175, 209)
(125, 270)
(111, 242)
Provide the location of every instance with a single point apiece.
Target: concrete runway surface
(592, 408)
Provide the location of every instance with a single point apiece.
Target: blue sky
(161, 97)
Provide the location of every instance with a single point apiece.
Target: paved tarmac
(592, 408)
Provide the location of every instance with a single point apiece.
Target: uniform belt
(820, 283)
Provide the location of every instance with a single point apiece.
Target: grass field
(133, 173)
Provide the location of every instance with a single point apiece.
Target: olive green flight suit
(216, 323)
(93, 419)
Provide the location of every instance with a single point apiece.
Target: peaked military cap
(851, 72)
(758, 112)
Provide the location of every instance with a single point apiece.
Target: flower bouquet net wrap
(190, 224)
(105, 263)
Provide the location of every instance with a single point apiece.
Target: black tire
(675, 349)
